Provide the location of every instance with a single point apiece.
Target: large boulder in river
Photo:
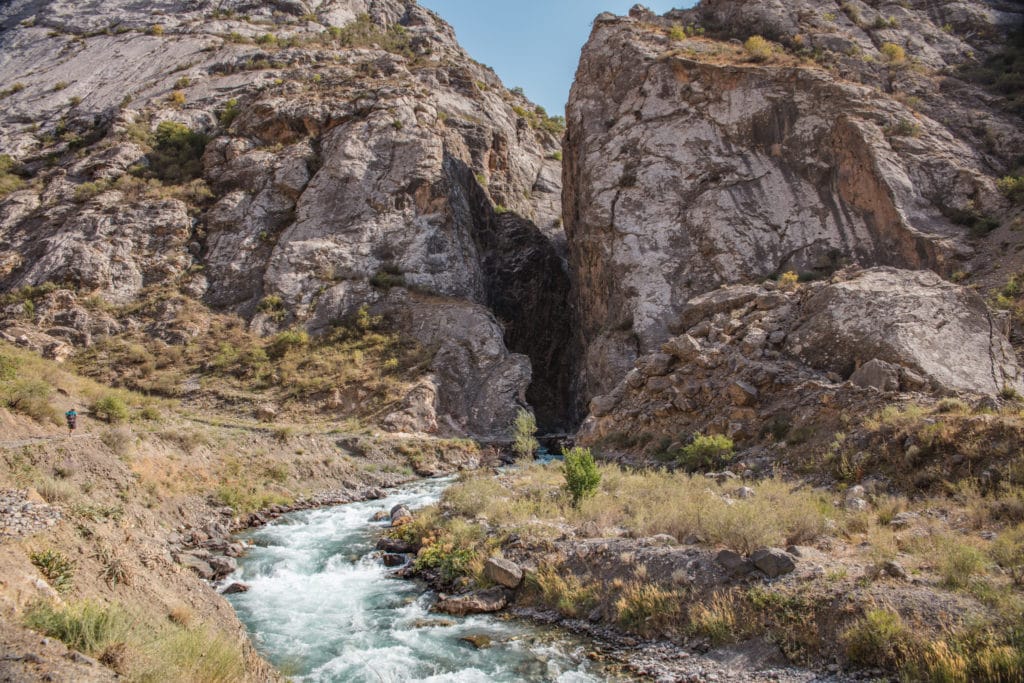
(477, 602)
(913, 320)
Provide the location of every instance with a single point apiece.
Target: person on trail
(72, 417)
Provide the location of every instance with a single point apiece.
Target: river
(322, 607)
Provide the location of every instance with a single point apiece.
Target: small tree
(581, 474)
(524, 443)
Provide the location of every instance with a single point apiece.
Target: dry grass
(649, 503)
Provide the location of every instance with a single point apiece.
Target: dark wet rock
(236, 587)
(394, 545)
(393, 560)
(478, 640)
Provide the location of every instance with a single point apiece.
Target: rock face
(351, 155)
(889, 319)
(689, 165)
(762, 356)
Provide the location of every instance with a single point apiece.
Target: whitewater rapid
(322, 607)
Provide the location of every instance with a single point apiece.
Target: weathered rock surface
(688, 165)
(777, 357)
(774, 562)
(348, 172)
(477, 602)
(504, 572)
(936, 329)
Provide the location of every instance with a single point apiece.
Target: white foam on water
(322, 606)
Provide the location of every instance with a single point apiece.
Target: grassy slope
(957, 616)
(126, 488)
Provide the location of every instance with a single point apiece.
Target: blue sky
(534, 44)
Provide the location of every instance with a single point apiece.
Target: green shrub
(177, 155)
(959, 563)
(1013, 188)
(229, 113)
(706, 453)
(9, 181)
(29, 397)
(56, 567)
(581, 474)
(285, 341)
(84, 626)
(1008, 553)
(524, 429)
(880, 639)
(111, 408)
(758, 48)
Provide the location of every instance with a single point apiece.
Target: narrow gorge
(285, 255)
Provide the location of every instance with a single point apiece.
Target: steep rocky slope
(288, 162)
(856, 137)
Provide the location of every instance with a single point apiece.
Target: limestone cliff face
(688, 165)
(352, 155)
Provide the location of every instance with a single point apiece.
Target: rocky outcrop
(887, 321)
(335, 154)
(758, 359)
(689, 165)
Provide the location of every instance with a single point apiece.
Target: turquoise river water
(323, 608)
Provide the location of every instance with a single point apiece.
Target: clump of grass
(880, 639)
(197, 655)
(56, 567)
(563, 590)
(55, 490)
(1008, 552)
(1013, 188)
(715, 620)
(84, 626)
(959, 563)
(647, 608)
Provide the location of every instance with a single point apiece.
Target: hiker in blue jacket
(72, 417)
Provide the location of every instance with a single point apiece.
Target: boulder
(199, 566)
(773, 562)
(393, 560)
(477, 602)
(685, 347)
(504, 572)
(400, 515)
(733, 563)
(939, 331)
(394, 545)
(877, 374)
(236, 587)
(381, 516)
(477, 640)
(655, 365)
(222, 566)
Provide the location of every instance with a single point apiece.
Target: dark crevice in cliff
(526, 286)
